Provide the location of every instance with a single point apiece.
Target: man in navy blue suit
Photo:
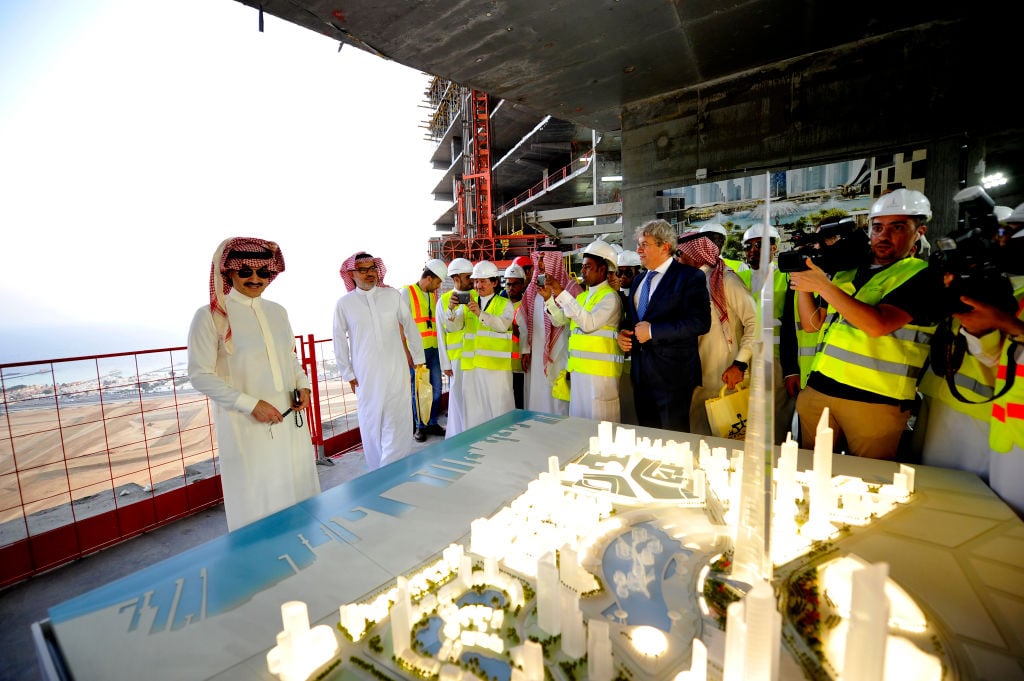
(666, 311)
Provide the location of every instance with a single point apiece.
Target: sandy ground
(82, 460)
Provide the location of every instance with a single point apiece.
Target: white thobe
(723, 344)
(539, 379)
(450, 321)
(264, 468)
(487, 393)
(374, 355)
(590, 396)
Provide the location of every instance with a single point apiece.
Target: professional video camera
(970, 261)
(849, 252)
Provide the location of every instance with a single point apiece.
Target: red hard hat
(523, 261)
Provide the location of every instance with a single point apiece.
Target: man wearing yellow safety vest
(420, 299)
(797, 347)
(451, 307)
(784, 400)
(996, 338)
(487, 350)
(875, 333)
(595, 359)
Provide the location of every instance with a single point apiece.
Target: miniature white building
(865, 640)
(599, 651)
(401, 618)
(752, 636)
(300, 651)
(818, 524)
(548, 589)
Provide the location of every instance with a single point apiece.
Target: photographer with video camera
(874, 333)
(958, 387)
(994, 335)
(837, 243)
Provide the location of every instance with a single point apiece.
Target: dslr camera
(851, 250)
(970, 262)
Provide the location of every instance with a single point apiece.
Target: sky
(135, 136)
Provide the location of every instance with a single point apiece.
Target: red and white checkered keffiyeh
(232, 254)
(703, 251)
(551, 263)
(350, 264)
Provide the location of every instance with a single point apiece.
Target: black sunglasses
(262, 273)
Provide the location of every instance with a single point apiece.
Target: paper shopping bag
(424, 393)
(727, 413)
(560, 388)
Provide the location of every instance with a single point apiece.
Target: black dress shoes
(434, 429)
(419, 435)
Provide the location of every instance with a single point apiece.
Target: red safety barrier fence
(97, 449)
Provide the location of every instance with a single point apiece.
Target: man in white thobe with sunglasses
(241, 354)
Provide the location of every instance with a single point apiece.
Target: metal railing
(97, 449)
(575, 167)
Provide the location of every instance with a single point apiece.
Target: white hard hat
(902, 202)
(628, 259)
(1017, 215)
(459, 266)
(713, 227)
(617, 248)
(1001, 213)
(756, 231)
(485, 269)
(514, 272)
(437, 266)
(602, 249)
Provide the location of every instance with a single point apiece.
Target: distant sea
(57, 342)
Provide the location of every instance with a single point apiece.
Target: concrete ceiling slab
(583, 60)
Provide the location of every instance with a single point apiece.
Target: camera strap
(955, 359)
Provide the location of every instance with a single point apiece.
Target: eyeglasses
(365, 270)
(262, 273)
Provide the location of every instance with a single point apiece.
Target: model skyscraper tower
(752, 554)
(752, 637)
(869, 616)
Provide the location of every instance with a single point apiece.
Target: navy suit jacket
(666, 369)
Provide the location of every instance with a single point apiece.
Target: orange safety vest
(424, 318)
(1006, 429)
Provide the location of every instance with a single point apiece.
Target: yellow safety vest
(1006, 428)
(596, 353)
(485, 347)
(423, 316)
(454, 340)
(975, 381)
(887, 365)
(806, 347)
(780, 287)
(736, 266)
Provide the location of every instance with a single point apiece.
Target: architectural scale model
(618, 566)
